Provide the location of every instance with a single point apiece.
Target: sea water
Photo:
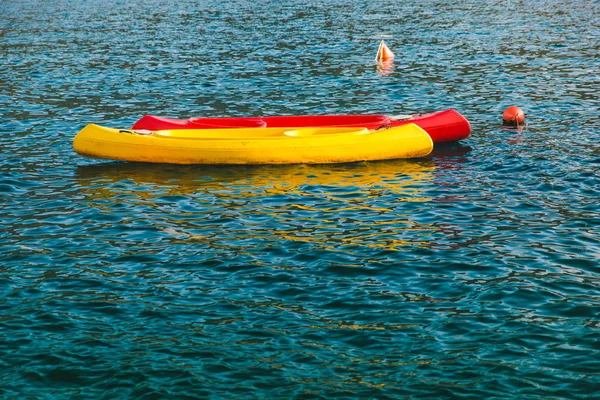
(473, 272)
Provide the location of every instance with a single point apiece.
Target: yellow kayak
(253, 145)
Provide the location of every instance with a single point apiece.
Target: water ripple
(472, 272)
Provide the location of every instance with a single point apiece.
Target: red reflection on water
(519, 130)
(385, 68)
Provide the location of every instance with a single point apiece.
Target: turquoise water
(473, 272)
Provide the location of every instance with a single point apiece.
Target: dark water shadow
(448, 150)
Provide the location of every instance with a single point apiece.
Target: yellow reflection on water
(398, 177)
(327, 206)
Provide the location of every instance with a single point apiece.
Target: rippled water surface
(471, 273)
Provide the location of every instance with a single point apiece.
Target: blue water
(474, 272)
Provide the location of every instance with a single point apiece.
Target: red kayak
(442, 126)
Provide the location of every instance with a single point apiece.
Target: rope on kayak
(143, 132)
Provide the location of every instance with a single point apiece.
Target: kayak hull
(443, 126)
(253, 145)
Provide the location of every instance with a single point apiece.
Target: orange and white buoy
(384, 53)
(513, 116)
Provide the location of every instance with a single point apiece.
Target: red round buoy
(513, 116)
